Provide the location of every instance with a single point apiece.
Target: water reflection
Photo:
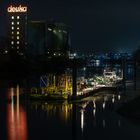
(119, 123)
(104, 105)
(61, 110)
(113, 98)
(82, 119)
(48, 119)
(104, 102)
(119, 97)
(16, 117)
(94, 108)
(101, 116)
(104, 123)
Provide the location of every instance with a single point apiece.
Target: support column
(135, 74)
(124, 73)
(74, 81)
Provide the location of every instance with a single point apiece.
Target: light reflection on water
(16, 117)
(91, 117)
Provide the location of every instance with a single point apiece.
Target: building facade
(17, 29)
(36, 38)
(57, 40)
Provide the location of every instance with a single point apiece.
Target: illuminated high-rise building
(17, 22)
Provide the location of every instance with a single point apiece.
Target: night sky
(94, 25)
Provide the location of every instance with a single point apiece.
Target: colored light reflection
(94, 108)
(16, 118)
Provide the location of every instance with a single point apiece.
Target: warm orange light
(12, 9)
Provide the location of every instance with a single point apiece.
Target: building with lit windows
(58, 41)
(17, 30)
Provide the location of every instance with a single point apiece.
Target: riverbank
(131, 106)
(131, 109)
(64, 97)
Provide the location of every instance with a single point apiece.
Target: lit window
(12, 23)
(12, 28)
(17, 28)
(17, 23)
(17, 47)
(12, 32)
(17, 17)
(12, 17)
(17, 33)
(17, 37)
(17, 42)
(12, 37)
(12, 42)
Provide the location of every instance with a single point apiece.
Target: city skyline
(94, 26)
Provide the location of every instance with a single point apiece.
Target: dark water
(93, 118)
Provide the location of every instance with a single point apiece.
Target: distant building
(36, 38)
(17, 32)
(58, 41)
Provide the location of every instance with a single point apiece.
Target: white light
(17, 42)
(17, 28)
(12, 23)
(74, 54)
(49, 29)
(84, 68)
(12, 28)
(17, 23)
(103, 105)
(12, 42)
(94, 104)
(12, 17)
(6, 51)
(113, 99)
(17, 33)
(17, 17)
(17, 37)
(119, 97)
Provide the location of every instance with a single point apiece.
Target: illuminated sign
(18, 9)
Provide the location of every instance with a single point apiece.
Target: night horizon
(94, 26)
